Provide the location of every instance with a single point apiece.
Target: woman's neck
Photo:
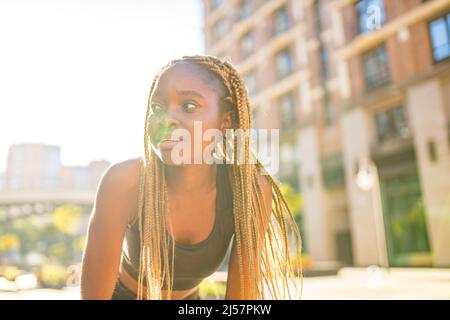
(191, 179)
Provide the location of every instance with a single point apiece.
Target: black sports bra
(193, 262)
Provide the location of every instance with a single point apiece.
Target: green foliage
(53, 276)
(53, 234)
(9, 241)
(212, 289)
(293, 199)
(67, 219)
(59, 252)
(10, 273)
(78, 244)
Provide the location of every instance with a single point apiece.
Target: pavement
(349, 284)
(72, 293)
(380, 284)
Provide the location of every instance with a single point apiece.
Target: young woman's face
(184, 97)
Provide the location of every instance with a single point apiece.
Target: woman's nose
(171, 118)
(170, 122)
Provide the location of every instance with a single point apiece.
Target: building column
(425, 105)
(356, 145)
(318, 236)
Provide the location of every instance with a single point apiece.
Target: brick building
(351, 82)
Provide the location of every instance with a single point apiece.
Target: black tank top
(193, 262)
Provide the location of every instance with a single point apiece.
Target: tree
(293, 199)
(8, 242)
(67, 219)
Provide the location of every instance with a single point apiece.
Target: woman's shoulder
(125, 173)
(119, 187)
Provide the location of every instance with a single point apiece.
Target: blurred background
(360, 90)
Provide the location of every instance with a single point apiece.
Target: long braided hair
(267, 270)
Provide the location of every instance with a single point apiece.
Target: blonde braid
(153, 240)
(266, 252)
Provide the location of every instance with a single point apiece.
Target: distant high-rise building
(348, 81)
(33, 167)
(38, 167)
(83, 177)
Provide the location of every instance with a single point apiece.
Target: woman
(203, 207)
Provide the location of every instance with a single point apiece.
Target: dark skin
(184, 93)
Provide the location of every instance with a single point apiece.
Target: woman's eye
(189, 106)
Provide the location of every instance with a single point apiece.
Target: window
(280, 21)
(371, 15)
(218, 30)
(284, 63)
(247, 44)
(321, 15)
(324, 60)
(329, 113)
(289, 170)
(287, 106)
(432, 152)
(333, 173)
(391, 124)
(245, 8)
(250, 82)
(216, 4)
(440, 38)
(376, 68)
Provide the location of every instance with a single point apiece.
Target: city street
(261, 135)
(349, 284)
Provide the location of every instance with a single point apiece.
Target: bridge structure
(15, 205)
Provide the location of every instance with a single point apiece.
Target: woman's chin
(171, 158)
(168, 158)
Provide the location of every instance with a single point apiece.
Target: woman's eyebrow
(191, 92)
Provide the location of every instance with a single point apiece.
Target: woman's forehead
(187, 76)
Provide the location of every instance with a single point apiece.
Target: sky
(77, 73)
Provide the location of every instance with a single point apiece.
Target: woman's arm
(115, 205)
(234, 286)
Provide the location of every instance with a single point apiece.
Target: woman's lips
(167, 144)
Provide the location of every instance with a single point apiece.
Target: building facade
(352, 85)
(34, 167)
